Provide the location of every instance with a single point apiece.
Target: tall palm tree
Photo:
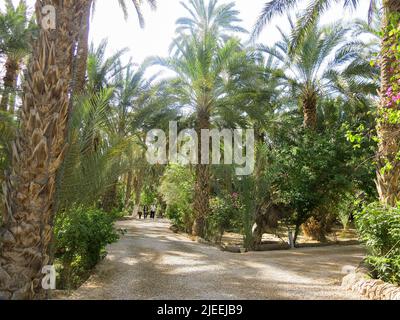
(203, 51)
(130, 87)
(37, 153)
(257, 91)
(132, 91)
(201, 65)
(388, 173)
(83, 37)
(16, 31)
(323, 64)
(103, 72)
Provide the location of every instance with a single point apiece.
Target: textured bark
(309, 104)
(202, 186)
(12, 100)
(388, 181)
(109, 200)
(37, 153)
(83, 46)
(128, 192)
(10, 82)
(137, 187)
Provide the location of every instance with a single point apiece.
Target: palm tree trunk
(83, 47)
(12, 99)
(38, 151)
(10, 81)
(202, 185)
(128, 189)
(388, 171)
(109, 201)
(309, 104)
(137, 186)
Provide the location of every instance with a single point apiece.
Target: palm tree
(16, 31)
(132, 91)
(37, 154)
(102, 70)
(151, 107)
(83, 37)
(309, 17)
(322, 65)
(218, 19)
(201, 65)
(202, 54)
(256, 91)
(388, 173)
(88, 172)
(82, 46)
(103, 73)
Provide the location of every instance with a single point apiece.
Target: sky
(155, 38)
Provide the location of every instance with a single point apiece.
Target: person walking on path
(145, 211)
(153, 209)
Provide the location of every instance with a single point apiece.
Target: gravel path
(151, 262)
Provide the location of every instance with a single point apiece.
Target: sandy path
(151, 262)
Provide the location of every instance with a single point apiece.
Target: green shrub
(379, 228)
(224, 215)
(81, 238)
(177, 189)
(311, 171)
(387, 269)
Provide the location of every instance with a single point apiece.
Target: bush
(379, 228)
(224, 215)
(81, 238)
(177, 190)
(311, 172)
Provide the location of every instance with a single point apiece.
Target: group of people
(146, 211)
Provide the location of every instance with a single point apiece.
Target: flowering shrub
(391, 49)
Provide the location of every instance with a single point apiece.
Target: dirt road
(151, 262)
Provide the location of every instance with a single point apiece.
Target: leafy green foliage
(7, 133)
(310, 171)
(325, 62)
(316, 173)
(92, 161)
(17, 30)
(379, 228)
(224, 216)
(177, 190)
(81, 238)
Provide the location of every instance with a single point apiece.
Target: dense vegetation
(323, 102)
